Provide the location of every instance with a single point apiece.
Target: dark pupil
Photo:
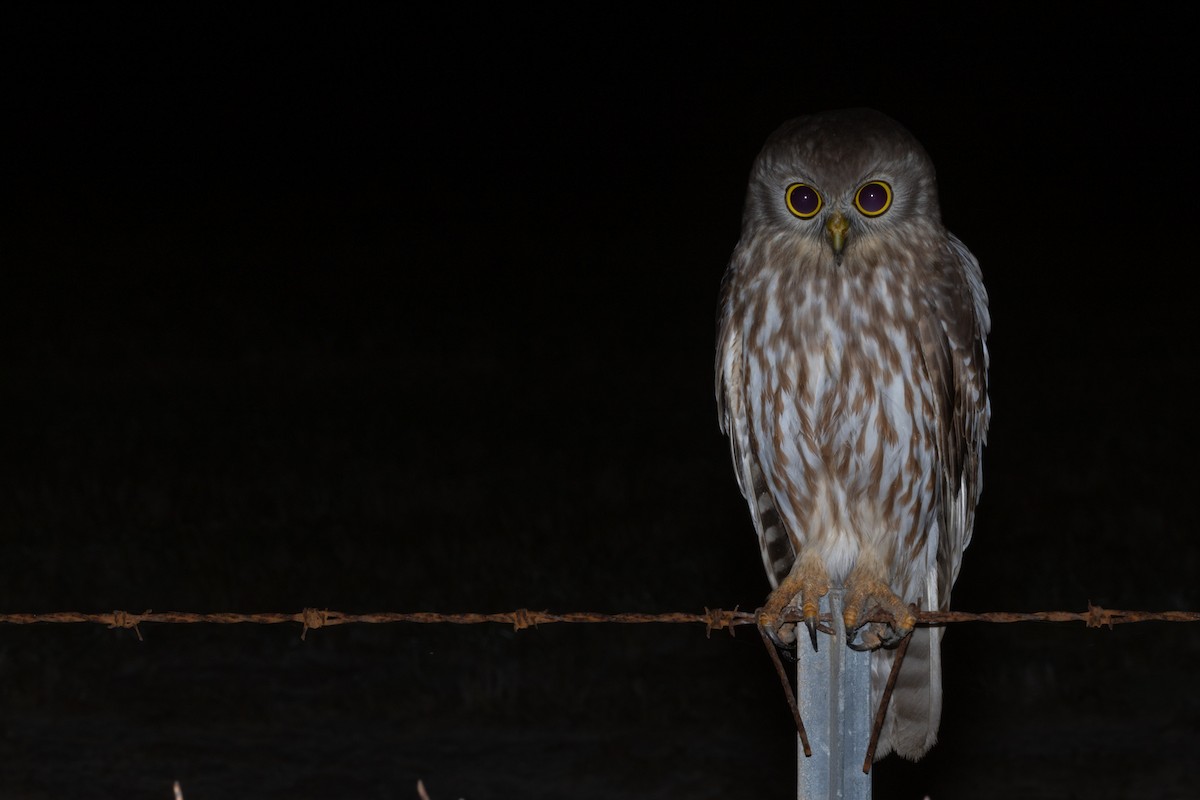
(872, 197)
(804, 200)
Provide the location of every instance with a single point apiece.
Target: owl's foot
(807, 581)
(868, 596)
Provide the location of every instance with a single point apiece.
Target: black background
(307, 306)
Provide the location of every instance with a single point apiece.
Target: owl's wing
(954, 346)
(774, 543)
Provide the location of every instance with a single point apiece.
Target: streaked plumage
(852, 382)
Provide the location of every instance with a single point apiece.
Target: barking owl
(852, 383)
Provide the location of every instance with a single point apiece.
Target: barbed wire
(712, 618)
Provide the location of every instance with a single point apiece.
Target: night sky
(309, 307)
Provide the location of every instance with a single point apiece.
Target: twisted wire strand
(712, 618)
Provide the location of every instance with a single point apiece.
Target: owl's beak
(837, 226)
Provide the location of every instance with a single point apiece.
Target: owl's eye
(802, 200)
(873, 198)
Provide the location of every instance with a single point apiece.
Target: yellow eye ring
(874, 198)
(802, 200)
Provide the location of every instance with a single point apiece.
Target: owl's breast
(842, 390)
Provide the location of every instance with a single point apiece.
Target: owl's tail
(915, 710)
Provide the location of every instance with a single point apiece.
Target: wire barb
(523, 618)
(1098, 617)
(123, 619)
(312, 619)
(718, 619)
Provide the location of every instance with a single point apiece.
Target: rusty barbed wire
(712, 618)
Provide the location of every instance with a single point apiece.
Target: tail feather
(915, 710)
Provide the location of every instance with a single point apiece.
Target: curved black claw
(782, 645)
(874, 635)
(811, 624)
(861, 646)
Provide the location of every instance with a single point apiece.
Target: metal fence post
(833, 692)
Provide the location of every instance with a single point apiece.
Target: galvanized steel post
(833, 692)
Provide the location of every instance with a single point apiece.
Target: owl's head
(841, 180)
